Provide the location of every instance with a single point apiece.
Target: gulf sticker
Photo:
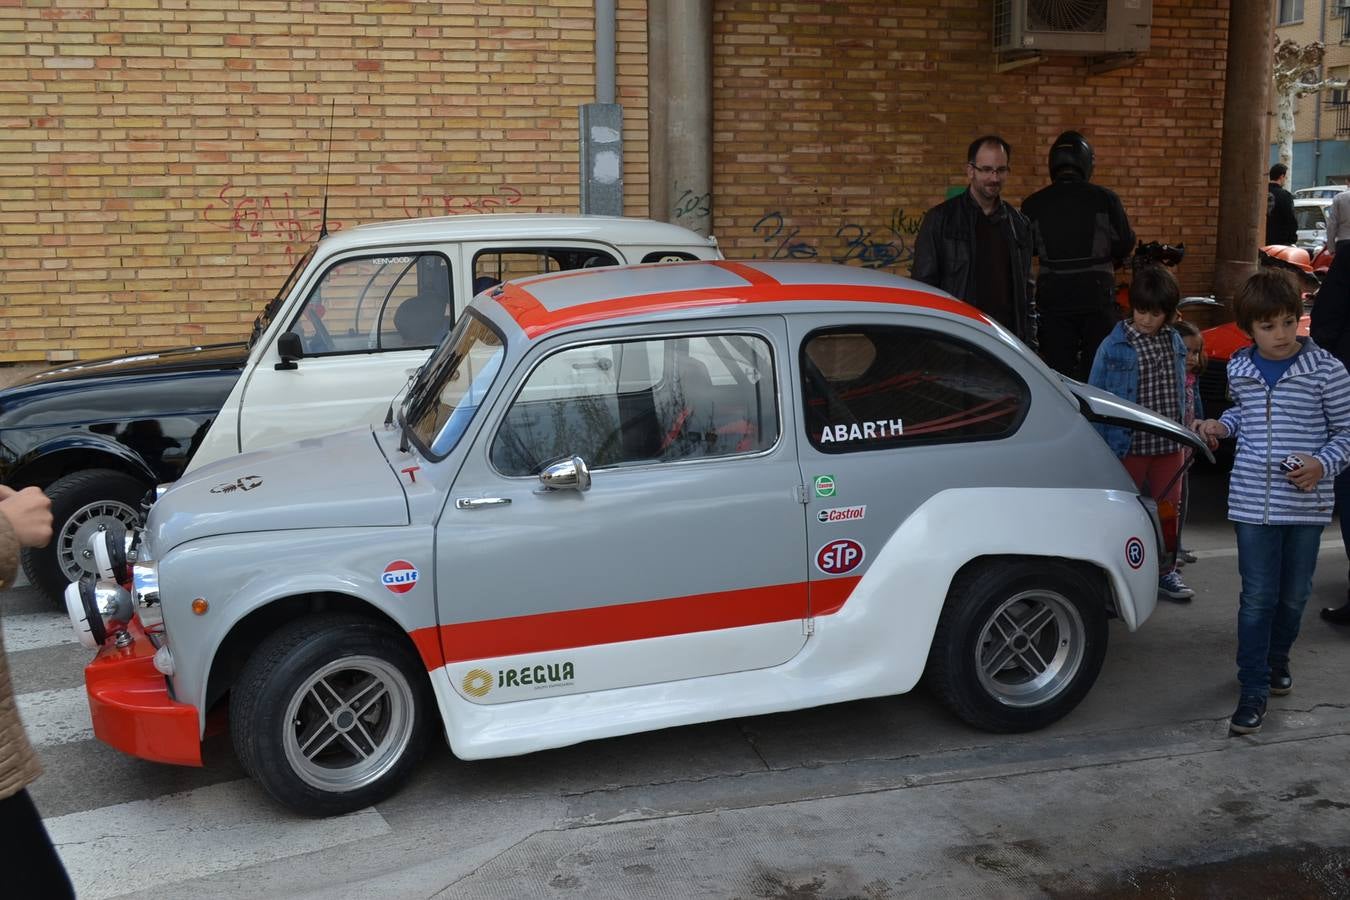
(1134, 552)
(400, 576)
(838, 557)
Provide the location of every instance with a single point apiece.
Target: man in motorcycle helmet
(1080, 234)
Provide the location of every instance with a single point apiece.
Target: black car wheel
(1019, 644)
(330, 714)
(82, 503)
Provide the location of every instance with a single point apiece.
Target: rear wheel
(1019, 644)
(329, 714)
(82, 504)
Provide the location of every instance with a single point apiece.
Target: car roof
(546, 303)
(617, 230)
(1312, 201)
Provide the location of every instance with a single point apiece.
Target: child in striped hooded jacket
(1291, 417)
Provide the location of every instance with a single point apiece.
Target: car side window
(492, 267)
(642, 402)
(878, 387)
(372, 303)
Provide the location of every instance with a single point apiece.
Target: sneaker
(1281, 681)
(1248, 716)
(1187, 556)
(1171, 587)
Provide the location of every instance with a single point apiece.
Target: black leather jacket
(944, 251)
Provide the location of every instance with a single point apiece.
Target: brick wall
(838, 124)
(161, 160)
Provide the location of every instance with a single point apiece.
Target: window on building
(1291, 11)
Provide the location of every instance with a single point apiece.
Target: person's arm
(1334, 455)
(926, 266)
(1122, 235)
(1333, 221)
(1284, 209)
(25, 521)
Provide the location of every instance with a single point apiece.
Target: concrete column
(658, 94)
(1242, 160)
(689, 114)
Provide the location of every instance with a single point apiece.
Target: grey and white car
(628, 499)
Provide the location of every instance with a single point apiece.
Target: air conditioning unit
(1084, 27)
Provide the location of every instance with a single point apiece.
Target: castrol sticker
(400, 576)
(838, 557)
(841, 514)
(1134, 552)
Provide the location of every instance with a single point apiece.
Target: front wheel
(329, 714)
(82, 504)
(1019, 644)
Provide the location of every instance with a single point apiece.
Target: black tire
(1008, 680)
(81, 501)
(272, 713)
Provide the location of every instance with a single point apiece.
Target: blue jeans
(1276, 563)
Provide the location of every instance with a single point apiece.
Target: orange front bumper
(130, 704)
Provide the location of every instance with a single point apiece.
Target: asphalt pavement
(1140, 792)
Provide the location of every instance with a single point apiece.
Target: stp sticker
(1134, 552)
(841, 514)
(400, 576)
(824, 485)
(838, 557)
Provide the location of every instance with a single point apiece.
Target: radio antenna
(328, 169)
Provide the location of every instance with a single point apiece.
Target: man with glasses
(977, 247)
(1081, 234)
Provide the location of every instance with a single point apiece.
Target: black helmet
(1071, 151)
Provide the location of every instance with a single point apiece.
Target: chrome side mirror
(569, 474)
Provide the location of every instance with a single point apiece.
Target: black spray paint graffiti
(882, 247)
(692, 205)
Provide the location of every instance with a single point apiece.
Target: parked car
(629, 499)
(1321, 192)
(1311, 216)
(349, 326)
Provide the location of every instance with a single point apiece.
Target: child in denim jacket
(1143, 360)
(1291, 417)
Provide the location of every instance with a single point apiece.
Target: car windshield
(451, 385)
(269, 311)
(1310, 217)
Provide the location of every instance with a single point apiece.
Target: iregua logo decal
(838, 557)
(400, 576)
(841, 514)
(477, 682)
(824, 485)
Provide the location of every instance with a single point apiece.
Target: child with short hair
(1291, 417)
(1143, 360)
(1191, 409)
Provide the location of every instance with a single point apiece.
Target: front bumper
(130, 704)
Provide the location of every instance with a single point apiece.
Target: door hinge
(801, 494)
(808, 626)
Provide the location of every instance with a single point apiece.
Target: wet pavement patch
(1302, 871)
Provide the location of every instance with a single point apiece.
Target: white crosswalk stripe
(117, 849)
(34, 631)
(56, 717)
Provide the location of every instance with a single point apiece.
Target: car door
(682, 557)
(365, 326)
(891, 414)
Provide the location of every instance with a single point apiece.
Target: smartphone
(1291, 463)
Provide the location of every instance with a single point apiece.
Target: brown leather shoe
(1337, 615)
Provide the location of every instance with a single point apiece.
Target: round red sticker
(400, 576)
(838, 557)
(1134, 552)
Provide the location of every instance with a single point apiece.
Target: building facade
(1321, 120)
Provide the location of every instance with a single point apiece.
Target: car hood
(182, 359)
(1106, 408)
(282, 488)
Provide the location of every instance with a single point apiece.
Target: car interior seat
(424, 319)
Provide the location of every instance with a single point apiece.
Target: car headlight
(97, 609)
(110, 548)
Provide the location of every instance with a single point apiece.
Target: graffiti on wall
(872, 246)
(691, 207)
(281, 218)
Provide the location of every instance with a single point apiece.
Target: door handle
(480, 502)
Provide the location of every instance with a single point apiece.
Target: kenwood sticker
(841, 514)
(838, 557)
(400, 576)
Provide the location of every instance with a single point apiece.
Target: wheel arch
(234, 649)
(55, 459)
(1093, 571)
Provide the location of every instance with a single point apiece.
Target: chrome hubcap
(1031, 648)
(349, 723)
(72, 544)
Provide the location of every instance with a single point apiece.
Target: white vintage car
(357, 315)
(627, 499)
